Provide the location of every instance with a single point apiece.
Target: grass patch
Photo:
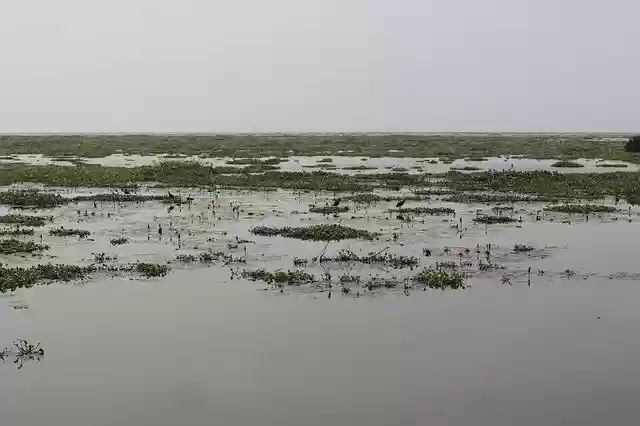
(24, 220)
(502, 209)
(205, 257)
(16, 232)
(325, 160)
(567, 164)
(289, 277)
(373, 198)
(359, 167)
(612, 165)
(253, 161)
(321, 166)
(151, 270)
(401, 145)
(433, 191)
(466, 168)
(14, 278)
(125, 198)
(581, 208)
(118, 241)
(439, 279)
(316, 233)
(393, 260)
(469, 198)
(329, 209)
(490, 220)
(522, 248)
(432, 211)
(13, 246)
(69, 232)
(31, 198)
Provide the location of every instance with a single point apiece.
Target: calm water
(197, 348)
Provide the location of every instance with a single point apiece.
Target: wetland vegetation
(247, 172)
(315, 232)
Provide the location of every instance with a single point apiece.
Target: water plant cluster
(290, 277)
(25, 220)
(315, 232)
(491, 220)
(69, 232)
(581, 208)
(383, 256)
(440, 279)
(421, 210)
(13, 246)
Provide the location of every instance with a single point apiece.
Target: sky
(76, 66)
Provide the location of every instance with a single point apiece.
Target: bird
(170, 194)
(170, 208)
(336, 202)
(400, 203)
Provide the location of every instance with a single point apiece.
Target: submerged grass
(382, 257)
(440, 279)
(24, 220)
(15, 232)
(432, 211)
(490, 220)
(13, 246)
(329, 209)
(295, 277)
(151, 270)
(118, 241)
(69, 232)
(253, 161)
(14, 278)
(316, 232)
(581, 208)
(31, 198)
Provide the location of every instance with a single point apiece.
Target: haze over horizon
(295, 66)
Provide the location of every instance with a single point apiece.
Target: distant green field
(566, 146)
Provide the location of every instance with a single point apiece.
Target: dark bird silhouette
(189, 200)
(400, 203)
(170, 209)
(126, 191)
(336, 202)
(170, 194)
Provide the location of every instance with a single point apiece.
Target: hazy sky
(319, 65)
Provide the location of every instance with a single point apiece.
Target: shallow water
(342, 164)
(197, 348)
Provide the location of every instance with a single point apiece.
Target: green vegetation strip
(490, 220)
(432, 211)
(16, 232)
(295, 277)
(24, 220)
(316, 233)
(31, 198)
(443, 146)
(329, 209)
(13, 246)
(440, 279)
(68, 232)
(567, 164)
(14, 278)
(581, 208)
